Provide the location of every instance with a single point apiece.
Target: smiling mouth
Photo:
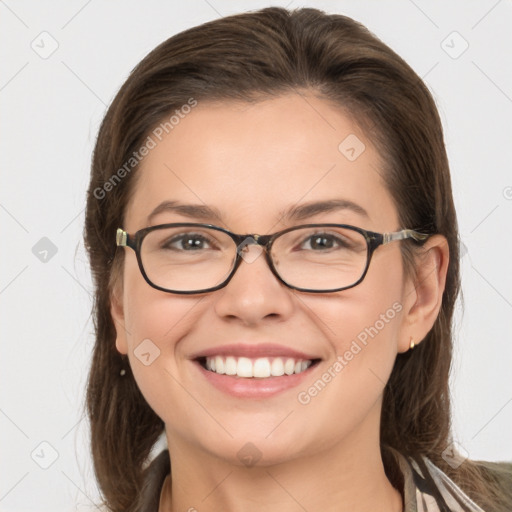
(259, 368)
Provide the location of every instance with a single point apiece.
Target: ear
(423, 291)
(117, 312)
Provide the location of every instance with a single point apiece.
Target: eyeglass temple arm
(403, 235)
(121, 238)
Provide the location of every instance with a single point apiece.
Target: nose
(254, 293)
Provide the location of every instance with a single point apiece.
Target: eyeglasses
(188, 258)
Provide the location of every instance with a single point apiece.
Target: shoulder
(428, 489)
(154, 476)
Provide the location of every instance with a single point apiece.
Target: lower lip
(242, 387)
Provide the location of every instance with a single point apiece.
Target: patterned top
(426, 487)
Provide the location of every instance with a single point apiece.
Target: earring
(412, 343)
(122, 373)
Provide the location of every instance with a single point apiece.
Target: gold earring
(412, 343)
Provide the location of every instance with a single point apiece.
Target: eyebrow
(303, 211)
(194, 211)
(293, 213)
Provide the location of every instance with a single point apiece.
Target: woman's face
(249, 163)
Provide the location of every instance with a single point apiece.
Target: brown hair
(258, 55)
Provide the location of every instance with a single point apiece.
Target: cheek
(362, 326)
(363, 334)
(155, 324)
(152, 314)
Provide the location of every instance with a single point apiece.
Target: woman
(274, 245)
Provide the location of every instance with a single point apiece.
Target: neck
(346, 477)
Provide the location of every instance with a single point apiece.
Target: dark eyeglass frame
(373, 241)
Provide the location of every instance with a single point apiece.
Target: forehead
(251, 162)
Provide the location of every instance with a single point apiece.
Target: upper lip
(254, 351)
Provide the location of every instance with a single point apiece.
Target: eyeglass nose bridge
(242, 241)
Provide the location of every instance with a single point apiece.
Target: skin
(250, 162)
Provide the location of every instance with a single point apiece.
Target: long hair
(247, 57)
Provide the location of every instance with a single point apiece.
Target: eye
(186, 242)
(325, 241)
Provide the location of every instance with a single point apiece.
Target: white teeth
(262, 367)
(289, 366)
(277, 368)
(230, 366)
(219, 365)
(244, 367)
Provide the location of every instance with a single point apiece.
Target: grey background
(62, 63)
